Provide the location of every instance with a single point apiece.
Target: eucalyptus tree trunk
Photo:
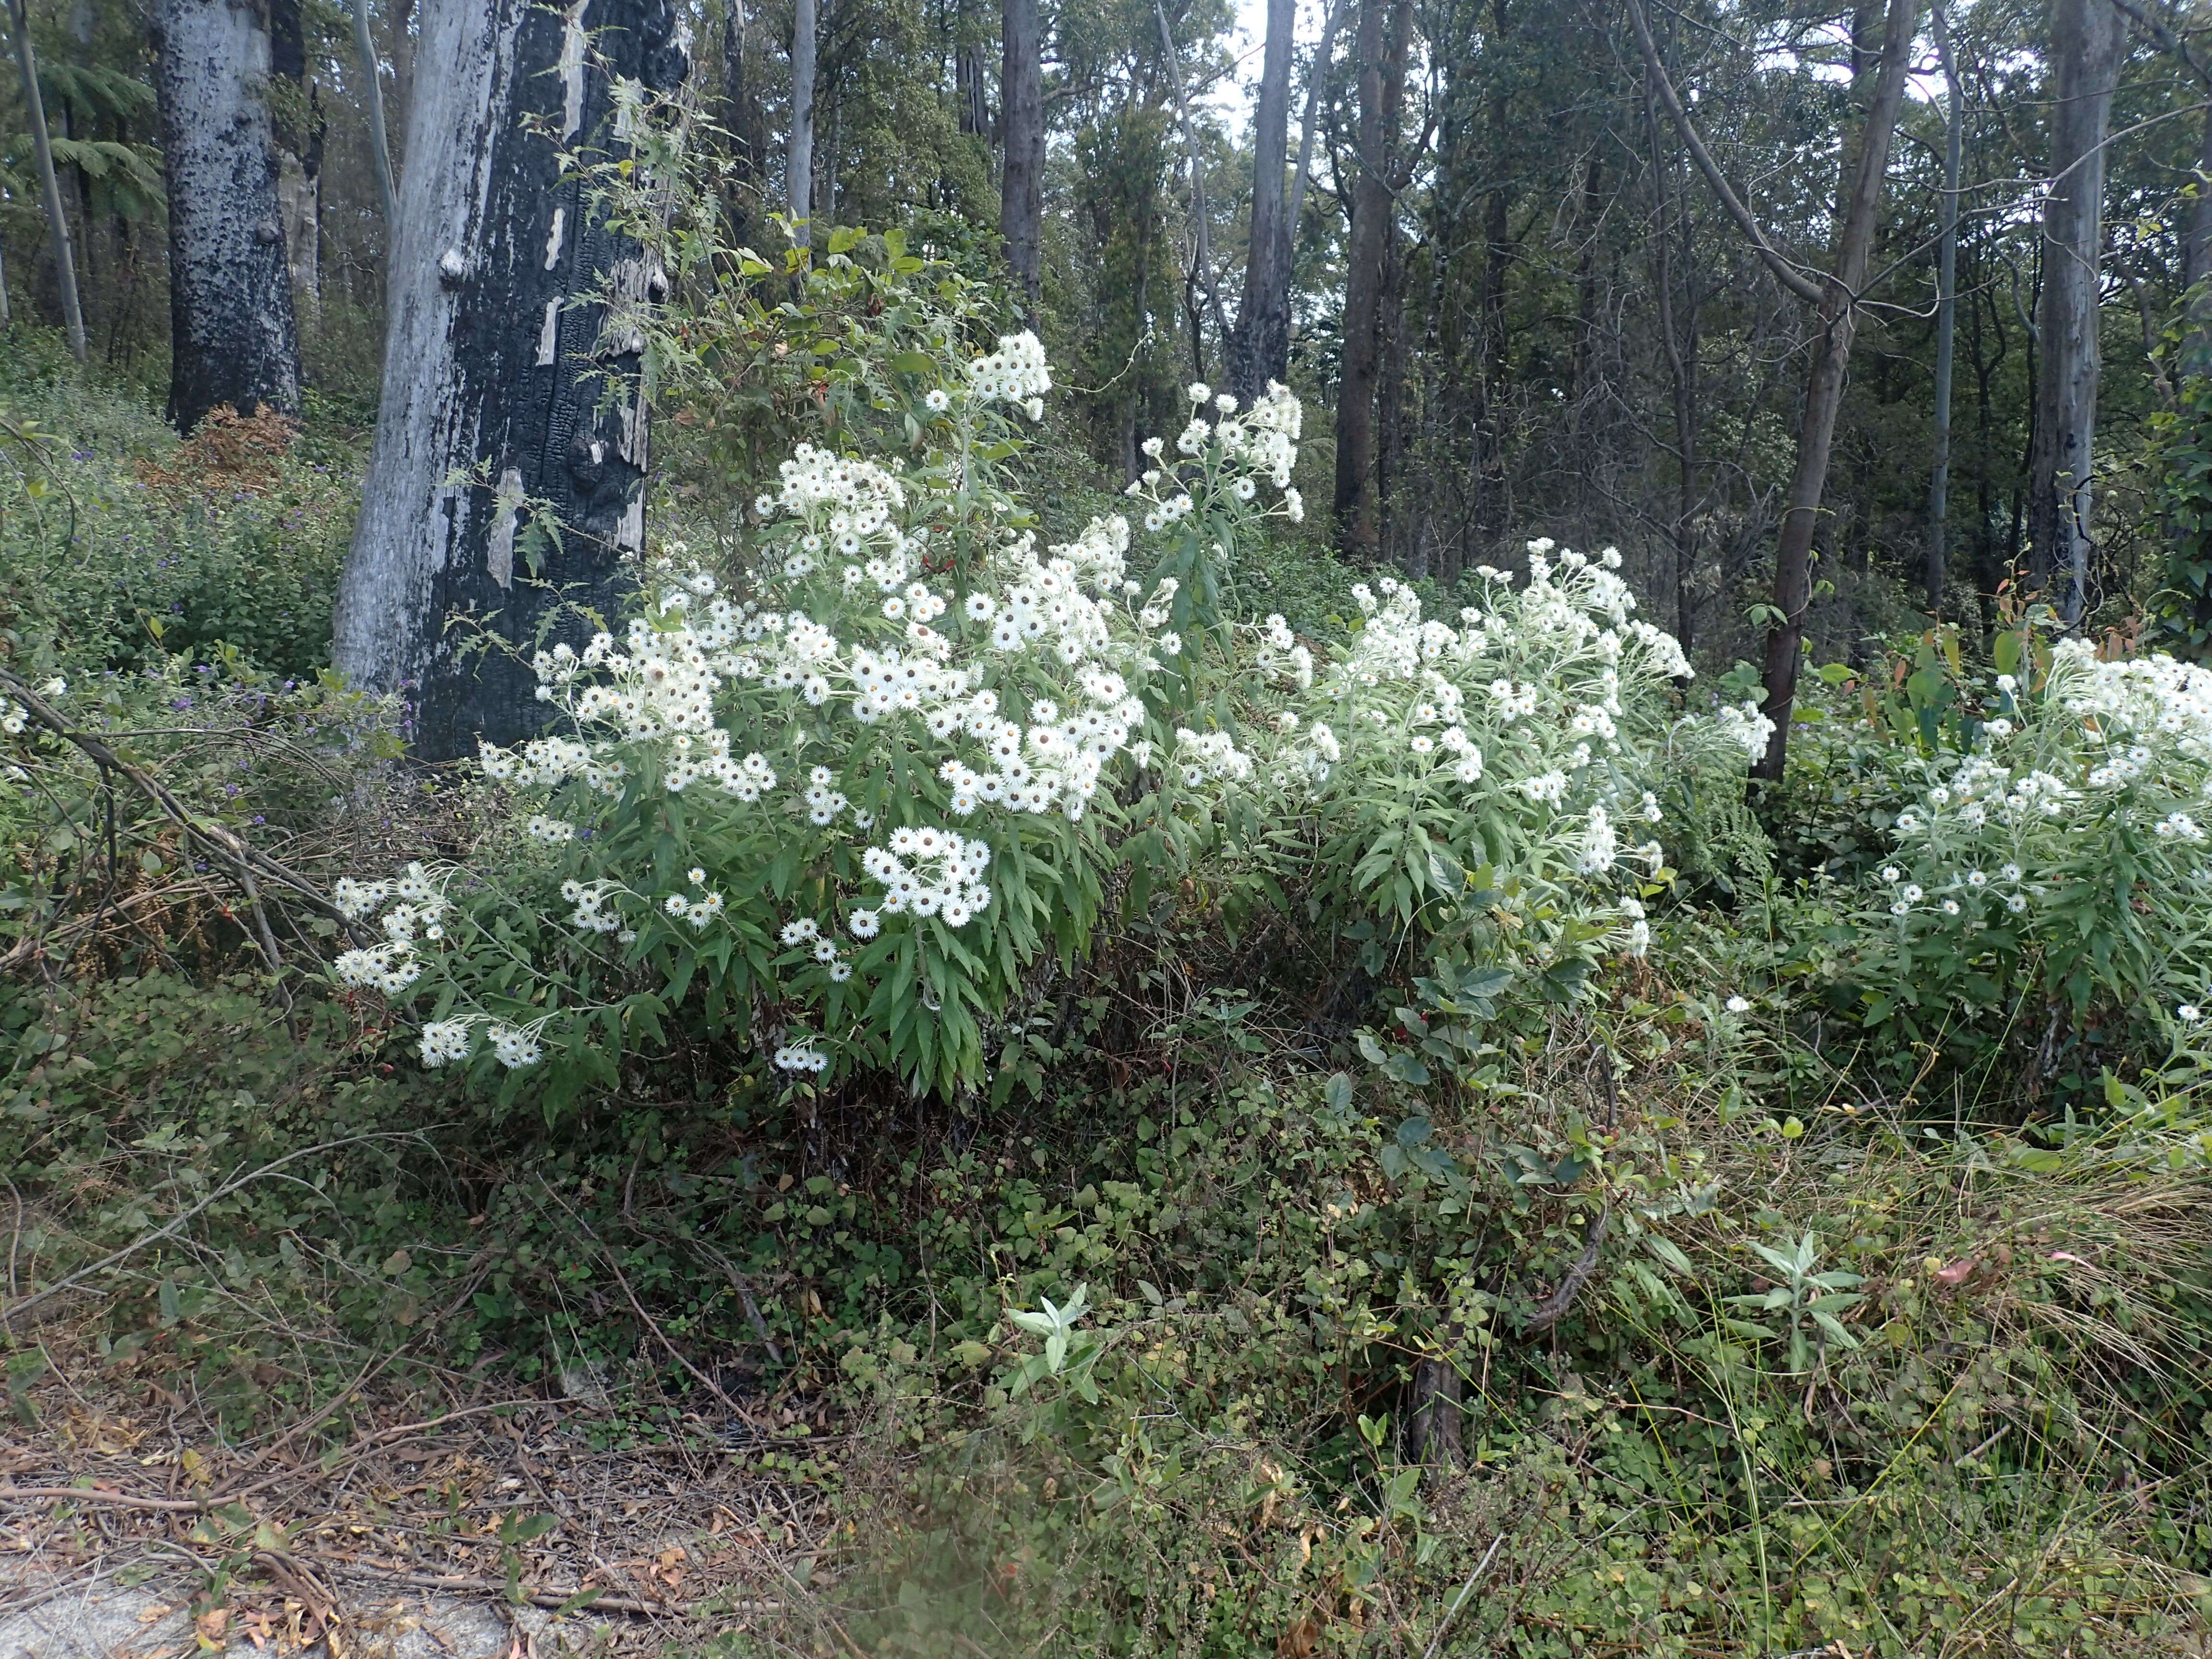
(2086, 40)
(1834, 298)
(1021, 191)
(50, 189)
(1260, 349)
(1381, 54)
(300, 131)
(1316, 83)
(372, 101)
(799, 152)
(232, 337)
(505, 485)
(1946, 317)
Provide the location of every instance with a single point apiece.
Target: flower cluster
(1231, 453)
(926, 872)
(391, 965)
(888, 655)
(1016, 372)
(2107, 770)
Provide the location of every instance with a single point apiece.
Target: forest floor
(488, 1527)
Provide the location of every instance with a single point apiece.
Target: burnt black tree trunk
(232, 337)
(1381, 71)
(1260, 349)
(1021, 104)
(506, 480)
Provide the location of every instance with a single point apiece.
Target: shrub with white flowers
(2067, 854)
(835, 801)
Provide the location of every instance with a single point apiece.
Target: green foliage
(121, 546)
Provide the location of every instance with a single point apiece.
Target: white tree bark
(503, 490)
(232, 335)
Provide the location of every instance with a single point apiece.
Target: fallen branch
(542, 1598)
(94, 1495)
(17, 1310)
(1556, 1305)
(243, 857)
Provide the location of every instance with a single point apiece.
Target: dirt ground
(470, 1528)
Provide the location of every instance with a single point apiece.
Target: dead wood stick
(542, 1598)
(1556, 1305)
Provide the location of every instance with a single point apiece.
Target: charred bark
(232, 337)
(1260, 349)
(2087, 38)
(506, 487)
(1021, 197)
(1380, 48)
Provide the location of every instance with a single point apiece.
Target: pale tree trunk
(1260, 349)
(50, 188)
(505, 485)
(231, 338)
(1201, 264)
(300, 160)
(1021, 187)
(1946, 317)
(1316, 83)
(798, 154)
(2086, 40)
(1381, 53)
(379, 146)
(403, 75)
(1834, 299)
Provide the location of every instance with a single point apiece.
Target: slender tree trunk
(743, 124)
(1201, 264)
(1316, 86)
(5, 318)
(372, 101)
(506, 484)
(1260, 350)
(1682, 375)
(971, 75)
(1946, 315)
(1491, 510)
(1390, 400)
(1021, 193)
(2087, 39)
(1381, 57)
(1834, 318)
(2198, 252)
(231, 338)
(798, 155)
(50, 189)
(402, 79)
(300, 158)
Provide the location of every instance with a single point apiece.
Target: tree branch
(1785, 272)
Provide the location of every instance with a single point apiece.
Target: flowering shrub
(2066, 852)
(847, 795)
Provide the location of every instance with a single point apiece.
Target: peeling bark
(232, 337)
(507, 482)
